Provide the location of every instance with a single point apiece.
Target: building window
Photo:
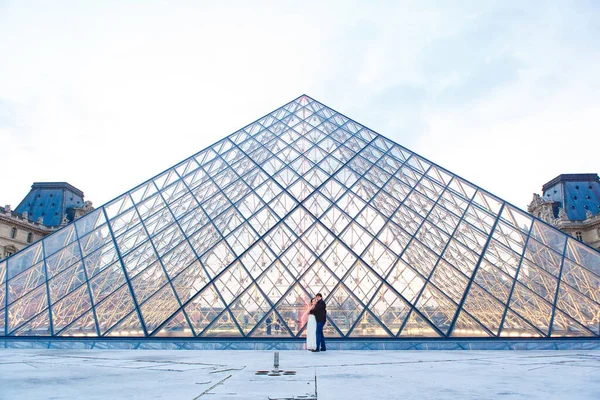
(29, 237)
(578, 236)
(13, 233)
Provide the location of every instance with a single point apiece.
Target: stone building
(571, 202)
(47, 207)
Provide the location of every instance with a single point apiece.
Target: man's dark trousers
(320, 336)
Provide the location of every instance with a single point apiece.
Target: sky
(105, 95)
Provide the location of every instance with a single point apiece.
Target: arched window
(578, 236)
(29, 237)
(13, 233)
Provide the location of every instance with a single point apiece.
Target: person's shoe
(323, 350)
(315, 351)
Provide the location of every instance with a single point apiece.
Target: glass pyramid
(233, 241)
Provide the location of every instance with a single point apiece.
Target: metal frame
(362, 151)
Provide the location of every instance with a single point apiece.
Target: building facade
(571, 202)
(18, 231)
(47, 207)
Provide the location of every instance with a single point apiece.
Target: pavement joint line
(212, 387)
(122, 359)
(228, 369)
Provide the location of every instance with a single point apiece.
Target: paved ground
(149, 374)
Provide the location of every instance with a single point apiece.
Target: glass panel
(379, 258)
(276, 281)
(95, 240)
(129, 326)
(466, 326)
(70, 308)
(114, 308)
(204, 308)
(139, 259)
(389, 308)
(563, 325)
(97, 261)
(438, 308)
(26, 282)
(516, 218)
(66, 282)
(369, 326)
(89, 222)
(63, 259)
(250, 308)
(317, 238)
(582, 280)
(406, 281)
(510, 237)
(494, 281)
(531, 307)
(224, 326)
(147, 282)
(158, 308)
(38, 326)
(362, 282)
(178, 259)
(517, 327)
(420, 258)
(117, 206)
(356, 238)
(24, 259)
(502, 258)
(190, 281)
(26, 308)
(176, 327)
(2, 287)
(538, 281)
(272, 326)
(416, 326)
(107, 282)
(336, 220)
(462, 188)
(460, 257)
(233, 282)
(548, 236)
(484, 308)
(451, 282)
(343, 309)
(293, 307)
(580, 308)
(83, 326)
(487, 202)
(582, 255)
(58, 240)
(543, 257)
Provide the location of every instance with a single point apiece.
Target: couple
(315, 340)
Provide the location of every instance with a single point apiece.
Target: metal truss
(232, 242)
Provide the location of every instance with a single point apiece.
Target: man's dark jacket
(319, 311)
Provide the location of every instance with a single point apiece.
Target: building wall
(571, 202)
(24, 227)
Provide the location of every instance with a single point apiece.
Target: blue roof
(50, 201)
(576, 193)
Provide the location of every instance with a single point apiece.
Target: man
(320, 313)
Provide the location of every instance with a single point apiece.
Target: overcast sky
(106, 94)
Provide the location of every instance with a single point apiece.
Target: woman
(311, 328)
